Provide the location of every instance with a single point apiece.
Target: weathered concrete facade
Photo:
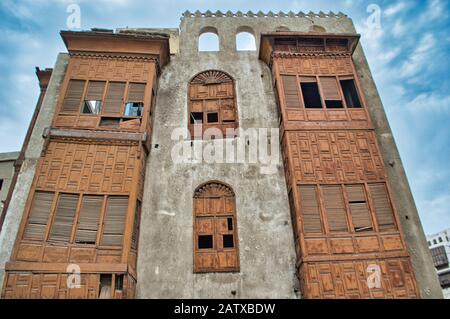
(267, 252)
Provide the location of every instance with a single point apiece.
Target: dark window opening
(105, 286)
(205, 241)
(110, 122)
(213, 117)
(230, 223)
(350, 94)
(119, 282)
(92, 107)
(440, 239)
(334, 104)
(196, 117)
(434, 242)
(228, 121)
(134, 108)
(1, 184)
(311, 96)
(228, 241)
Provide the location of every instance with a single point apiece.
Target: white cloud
(417, 60)
(395, 8)
(435, 10)
(399, 29)
(430, 102)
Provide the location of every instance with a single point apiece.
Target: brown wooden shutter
(74, 93)
(383, 208)
(89, 219)
(335, 208)
(137, 221)
(358, 207)
(291, 91)
(114, 224)
(136, 92)
(310, 209)
(330, 88)
(114, 97)
(39, 213)
(95, 90)
(64, 216)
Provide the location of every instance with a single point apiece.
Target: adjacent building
(6, 174)
(104, 207)
(440, 251)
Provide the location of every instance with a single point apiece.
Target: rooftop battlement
(260, 14)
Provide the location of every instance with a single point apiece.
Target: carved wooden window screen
(75, 218)
(215, 229)
(329, 92)
(346, 208)
(212, 104)
(116, 104)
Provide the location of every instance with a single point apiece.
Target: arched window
(245, 40)
(208, 40)
(215, 234)
(212, 105)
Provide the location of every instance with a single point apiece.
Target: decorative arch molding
(213, 189)
(211, 77)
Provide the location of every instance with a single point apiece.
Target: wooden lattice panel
(112, 69)
(348, 279)
(27, 285)
(339, 156)
(92, 168)
(315, 66)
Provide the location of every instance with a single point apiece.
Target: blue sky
(408, 56)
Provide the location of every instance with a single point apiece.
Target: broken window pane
(133, 108)
(196, 117)
(92, 107)
(205, 241)
(311, 96)
(350, 93)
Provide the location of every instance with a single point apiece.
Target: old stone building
(101, 208)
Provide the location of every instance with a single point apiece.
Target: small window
(196, 117)
(1, 184)
(119, 282)
(205, 242)
(228, 241)
(440, 239)
(213, 117)
(105, 286)
(230, 223)
(208, 42)
(134, 109)
(350, 94)
(111, 122)
(311, 96)
(245, 41)
(434, 242)
(92, 107)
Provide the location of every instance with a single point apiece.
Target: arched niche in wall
(208, 40)
(317, 28)
(282, 29)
